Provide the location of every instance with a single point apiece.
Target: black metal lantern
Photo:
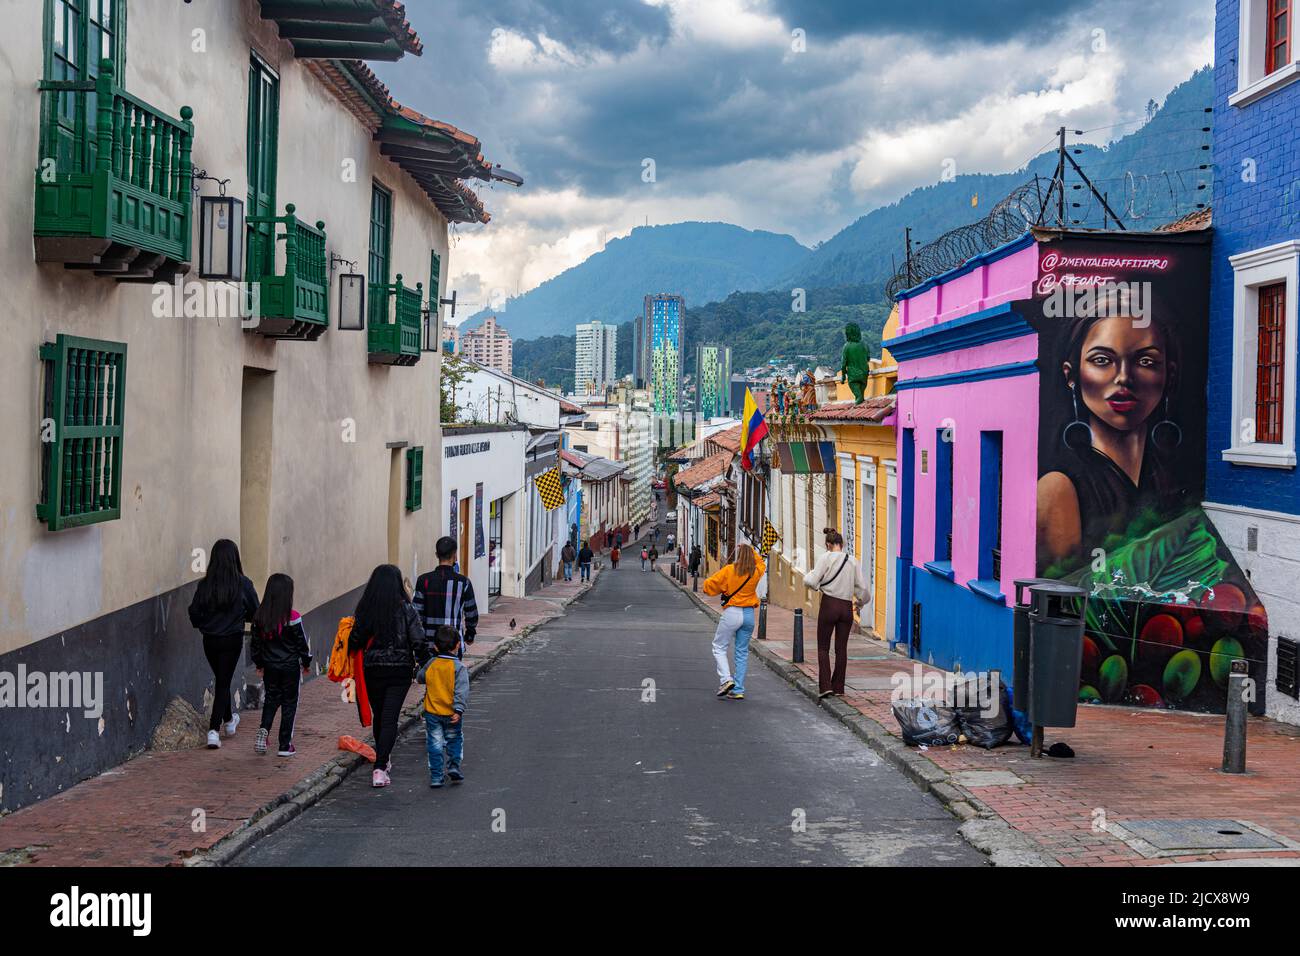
(221, 238)
(352, 302)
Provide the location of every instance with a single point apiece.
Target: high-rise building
(596, 350)
(640, 353)
(664, 335)
(712, 381)
(489, 345)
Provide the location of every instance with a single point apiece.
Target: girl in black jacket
(388, 628)
(279, 649)
(224, 601)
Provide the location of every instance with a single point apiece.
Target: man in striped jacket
(444, 598)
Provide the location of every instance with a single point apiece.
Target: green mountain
(1150, 176)
(702, 261)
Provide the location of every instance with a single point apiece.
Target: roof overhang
(344, 29)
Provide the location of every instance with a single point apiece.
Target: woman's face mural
(1123, 372)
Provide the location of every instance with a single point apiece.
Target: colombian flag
(753, 429)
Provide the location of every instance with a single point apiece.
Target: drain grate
(1166, 835)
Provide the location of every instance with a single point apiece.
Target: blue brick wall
(1246, 216)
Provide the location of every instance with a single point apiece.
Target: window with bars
(81, 432)
(711, 537)
(1278, 39)
(1270, 363)
(850, 519)
(414, 478)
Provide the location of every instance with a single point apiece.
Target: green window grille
(81, 432)
(381, 236)
(414, 478)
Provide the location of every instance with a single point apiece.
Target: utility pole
(907, 235)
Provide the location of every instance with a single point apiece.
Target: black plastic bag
(988, 724)
(927, 721)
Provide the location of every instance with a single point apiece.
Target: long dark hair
(277, 604)
(1073, 353)
(383, 598)
(223, 583)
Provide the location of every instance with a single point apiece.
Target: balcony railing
(113, 182)
(394, 328)
(293, 304)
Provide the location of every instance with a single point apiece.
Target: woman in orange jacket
(737, 583)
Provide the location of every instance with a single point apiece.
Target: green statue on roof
(854, 367)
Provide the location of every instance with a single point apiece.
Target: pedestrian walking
(223, 603)
(388, 630)
(568, 556)
(654, 556)
(837, 576)
(672, 541)
(614, 555)
(738, 585)
(696, 557)
(282, 654)
(444, 596)
(584, 561)
(446, 694)
(645, 556)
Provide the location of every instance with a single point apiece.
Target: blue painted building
(1252, 488)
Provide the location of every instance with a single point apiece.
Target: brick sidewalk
(1131, 763)
(157, 809)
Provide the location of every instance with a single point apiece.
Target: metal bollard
(1234, 731)
(762, 620)
(797, 650)
(695, 582)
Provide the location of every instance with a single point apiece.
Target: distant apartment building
(663, 337)
(489, 345)
(594, 359)
(618, 427)
(712, 381)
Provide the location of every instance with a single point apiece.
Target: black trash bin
(1020, 648)
(1055, 653)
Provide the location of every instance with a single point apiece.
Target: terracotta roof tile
(1192, 222)
(704, 470)
(728, 438)
(872, 411)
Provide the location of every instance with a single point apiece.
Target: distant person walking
(389, 631)
(568, 556)
(282, 654)
(654, 556)
(738, 585)
(224, 602)
(614, 555)
(672, 541)
(696, 557)
(837, 576)
(445, 598)
(584, 561)
(645, 556)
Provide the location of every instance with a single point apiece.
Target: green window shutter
(414, 478)
(381, 234)
(81, 432)
(262, 152)
(435, 276)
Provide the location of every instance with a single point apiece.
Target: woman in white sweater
(838, 577)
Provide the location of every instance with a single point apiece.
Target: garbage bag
(988, 725)
(927, 721)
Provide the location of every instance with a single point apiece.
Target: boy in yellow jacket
(446, 693)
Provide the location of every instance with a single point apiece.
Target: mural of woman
(1118, 376)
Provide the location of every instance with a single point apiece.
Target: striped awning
(805, 457)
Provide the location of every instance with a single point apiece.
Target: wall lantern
(221, 238)
(352, 297)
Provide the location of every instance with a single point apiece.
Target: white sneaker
(232, 725)
(214, 740)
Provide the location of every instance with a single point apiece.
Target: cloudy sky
(787, 115)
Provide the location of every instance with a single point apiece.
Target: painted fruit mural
(1165, 619)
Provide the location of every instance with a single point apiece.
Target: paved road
(564, 749)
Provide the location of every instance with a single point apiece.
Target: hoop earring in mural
(1166, 435)
(1078, 434)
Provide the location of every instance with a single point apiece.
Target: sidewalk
(1130, 764)
(161, 809)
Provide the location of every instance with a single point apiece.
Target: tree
(455, 371)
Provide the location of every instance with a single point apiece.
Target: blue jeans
(439, 733)
(568, 570)
(734, 628)
(586, 570)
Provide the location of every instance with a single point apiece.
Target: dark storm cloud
(613, 26)
(979, 20)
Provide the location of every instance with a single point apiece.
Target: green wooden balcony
(393, 327)
(113, 182)
(294, 303)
